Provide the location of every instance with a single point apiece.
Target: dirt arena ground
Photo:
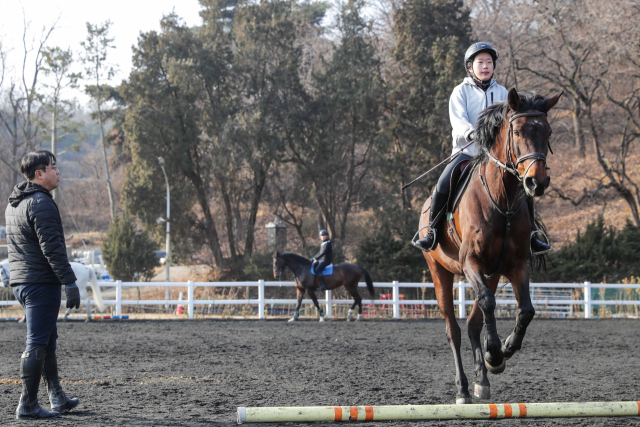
(196, 373)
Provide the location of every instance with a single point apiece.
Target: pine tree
(128, 253)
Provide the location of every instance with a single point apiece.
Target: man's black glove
(73, 295)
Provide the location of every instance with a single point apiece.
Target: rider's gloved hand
(73, 295)
(312, 260)
(472, 136)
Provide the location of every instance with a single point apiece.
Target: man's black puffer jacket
(35, 239)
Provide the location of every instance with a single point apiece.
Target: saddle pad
(328, 270)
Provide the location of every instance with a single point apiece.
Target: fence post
(396, 300)
(119, 298)
(261, 301)
(190, 293)
(587, 300)
(328, 311)
(462, 298)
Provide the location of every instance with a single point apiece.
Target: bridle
(512, 167)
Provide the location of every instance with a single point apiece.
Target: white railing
(462, 302)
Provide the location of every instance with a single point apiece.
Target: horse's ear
(551, 101)
(514, 99)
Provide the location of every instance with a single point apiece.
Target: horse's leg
(315, 302)
(357, 299)
(486, 300)
(443, 283)
(481, 389)
(353, 307)
(88, 304)
(520, 283)
(300, 295)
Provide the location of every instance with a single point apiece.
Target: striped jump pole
(436, 412)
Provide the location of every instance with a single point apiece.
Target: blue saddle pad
(328, 270)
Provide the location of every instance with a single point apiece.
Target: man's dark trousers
(41, 304)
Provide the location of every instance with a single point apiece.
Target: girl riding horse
(469, 99)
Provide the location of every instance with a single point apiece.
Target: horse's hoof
(463, 400)
(322, 319)
(482, 391)
(293, 319)
(359, 318)
(495, 370)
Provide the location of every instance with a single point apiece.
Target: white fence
(548, 299)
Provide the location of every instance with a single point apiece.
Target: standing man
(323, 258)
(38, 267)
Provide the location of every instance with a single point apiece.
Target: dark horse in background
(344, 274)
(489, 231)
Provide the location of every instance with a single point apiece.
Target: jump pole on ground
(436, 412)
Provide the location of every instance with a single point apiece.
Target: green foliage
(387, 254)
(600, 254)
(432, 37)
(259, 267)
(127, 253)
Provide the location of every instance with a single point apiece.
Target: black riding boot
(30, 372)
(438, 203)
(538, 247)
(59, 401)
(323, 284)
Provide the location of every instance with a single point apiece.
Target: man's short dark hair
(36, 160)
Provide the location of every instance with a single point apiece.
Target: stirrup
(417, 235)
(546, 242)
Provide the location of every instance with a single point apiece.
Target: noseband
(510, 166)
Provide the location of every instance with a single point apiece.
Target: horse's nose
(535, 187)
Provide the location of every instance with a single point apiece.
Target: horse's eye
(516, 132)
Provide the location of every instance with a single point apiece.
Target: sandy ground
(196, 373)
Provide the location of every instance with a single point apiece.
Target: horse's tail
(97, 294)
(367, 277)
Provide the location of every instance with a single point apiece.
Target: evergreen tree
(431, 39)
(128, 254)
(599, 254)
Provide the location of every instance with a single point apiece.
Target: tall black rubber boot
(323, 284)
(59, 400)
(438, 203)
(30, 372)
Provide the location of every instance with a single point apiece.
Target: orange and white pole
(436, 412)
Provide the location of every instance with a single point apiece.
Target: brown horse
(344, 274)
(491, 231)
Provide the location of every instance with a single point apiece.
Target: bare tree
(96, 48)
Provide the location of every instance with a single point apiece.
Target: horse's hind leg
(443, 283)
(481, 389)
(357, 301)
(520, 284)
(486, 300)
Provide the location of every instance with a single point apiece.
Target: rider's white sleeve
(459, 117)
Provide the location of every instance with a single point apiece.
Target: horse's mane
(295, 257)
(492, 118)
